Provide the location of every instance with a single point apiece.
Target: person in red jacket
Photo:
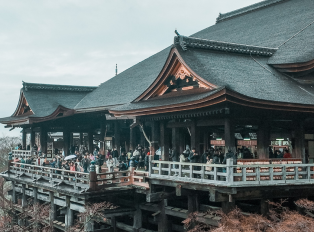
(287, 155)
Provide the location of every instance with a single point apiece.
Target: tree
(7, 143)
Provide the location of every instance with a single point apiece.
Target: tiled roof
(247, 9)
(28, 86)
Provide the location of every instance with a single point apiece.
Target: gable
(23, 107)
(176, 78)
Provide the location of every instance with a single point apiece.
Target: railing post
(150, 168)
(92, 177)
(271, 174)
(244, 174)
(296, 173)
(215, 173)
(202, 172)
(191, 170)
(229, 167)
(159, 169)
(180, 170)
(284, 172)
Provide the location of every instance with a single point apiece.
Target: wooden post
(43, 139)
(117, 137)
(195, 137)
(14, 198)
(35, 195)
(24, 138)
(206, 140)
(132, 138)
(227, 206)
(155, 137)
(90, 140)
(66, 139)
(229, 135)
(193, 203)
(32, 138)
(264, 207)
(299, 147)
(175, 141)
(138, 217)
(81, 138)
(24, 202)
(164, 141)
(53, 207)
(163, 223)
(69, 213)
(263, 140)
(114, 224)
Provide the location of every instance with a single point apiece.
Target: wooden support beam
(32, 138)
(299, 148)
(43, 139)
(53, 207)
(132, 138)
(14, 195)
(69, 213)
(117, 136)
(155, 137)
(193, 203)
(35, 195)
(152, 197)
(195, 136)
(24, 202)
(176, 141)
(163, 223)
(24, 138)
(164, 141)
(90, 140)
(263, 140)
(228, 206)
(114, 224)
(264, 207)
(229, 135)
(138, 217)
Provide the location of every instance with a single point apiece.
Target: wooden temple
(247, 81)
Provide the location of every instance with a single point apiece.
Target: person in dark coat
(230, 155)
(204, 157)
(146, 161)
(122, 157)
(221, 155)
(194, 157)
(115, 153)
(216, 159)
(85, 163)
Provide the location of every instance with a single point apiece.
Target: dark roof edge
(186, 42)
(74, 88)
(244, 10)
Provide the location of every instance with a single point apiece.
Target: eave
(224, 95)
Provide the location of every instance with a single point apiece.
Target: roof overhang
(224, 95)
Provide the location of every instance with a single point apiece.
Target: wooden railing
(92, 180)
(22, 153)
(233, 175)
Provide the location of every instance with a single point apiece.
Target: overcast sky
(78, 42)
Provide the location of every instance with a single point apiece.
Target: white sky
(78, 42)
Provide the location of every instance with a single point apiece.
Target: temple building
(247, 81)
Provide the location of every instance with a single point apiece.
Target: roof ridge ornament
(247, 9)
(186, 42)
(181, 41)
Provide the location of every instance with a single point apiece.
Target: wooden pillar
(24, 201)
(14, 197)
(299, 146)
(175, 141)
(138, 217)
(132, 138)
(32, 138)
(142, 140)
(195, 137)
(24, 138)
(164, 141)
(264, 207)
(117, 137)
(163, 223)
(229, 135)
(53, 207)
(43, 139)
(181, 140)
(66, 139)
(90, 140)
(155, 137)
(69, 213)
(35, 195)
(206, 140)
(81, 138)
(263, 140)
(227, 206)
(193, 203)
(114, 224)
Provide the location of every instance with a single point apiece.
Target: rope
(296, 34)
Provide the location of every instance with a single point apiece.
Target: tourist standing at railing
(209, 161)
(111, 163)
(204, 156)
(216, 159)
(91, 157)
(230, 155)
(146, 161)
(23, 162)
(279, 154)
(16, 160)
(129, 155)
(115, 153)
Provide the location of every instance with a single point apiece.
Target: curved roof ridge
(27, 86)
(247, 9)
(193, 42)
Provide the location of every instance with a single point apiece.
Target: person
(140, 162)
(230, 155)
(146, 161)
(79, 168)
(129, 155)
(95, 151)
(209, 161)
(23, 162)
(108, 154)
(174, 155)
(287, 155)
(204, 157)
(279, 154)
(123, 167)
(35, 148)
(91, 157)
(85, 163)
(194, 157)
(111, 164)
(53, 163)
(122, 157)
(271, 153)
(115, 153)
(221, 155)
(16, 160)
(216, 159)
(187, 152)
(246, 153)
